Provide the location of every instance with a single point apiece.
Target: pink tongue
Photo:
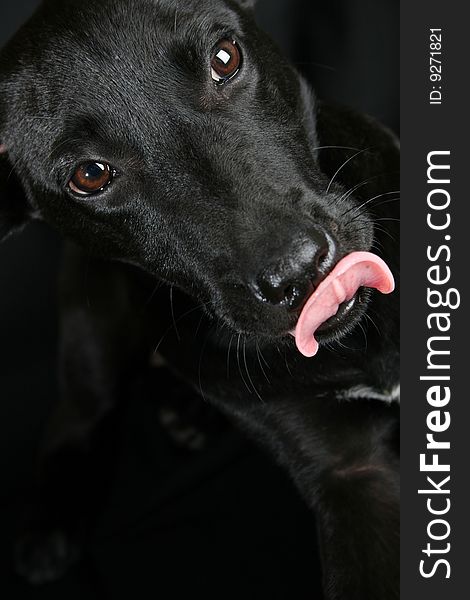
(352, 272)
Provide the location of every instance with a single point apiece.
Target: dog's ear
(14, 208)
(343, 127)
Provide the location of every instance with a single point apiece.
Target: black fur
(214, 185)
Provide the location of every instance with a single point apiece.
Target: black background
(223, 523)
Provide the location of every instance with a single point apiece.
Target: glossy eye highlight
(91, 178)
(226, 61)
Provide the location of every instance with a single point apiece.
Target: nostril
(291, 279)
(296, 294)
(290, 294)
(322, 258)
(324, 261)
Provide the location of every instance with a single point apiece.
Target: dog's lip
(337, 319)
(354, 271)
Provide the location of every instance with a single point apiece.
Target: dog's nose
(292, 277)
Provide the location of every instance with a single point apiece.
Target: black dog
(173, 144)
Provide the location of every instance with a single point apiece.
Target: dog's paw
(42, 558)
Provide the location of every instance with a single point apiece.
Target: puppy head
(173, 135)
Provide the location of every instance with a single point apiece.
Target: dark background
(223, 522)
(428, 128)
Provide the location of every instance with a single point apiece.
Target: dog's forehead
(111, 58)
(139, 31)
(120, 20)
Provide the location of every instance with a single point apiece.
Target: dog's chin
(278, 328)
(267, 329)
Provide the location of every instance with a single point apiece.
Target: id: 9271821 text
(435, 66)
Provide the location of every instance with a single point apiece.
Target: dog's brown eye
(91, 178)
(226, 61)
